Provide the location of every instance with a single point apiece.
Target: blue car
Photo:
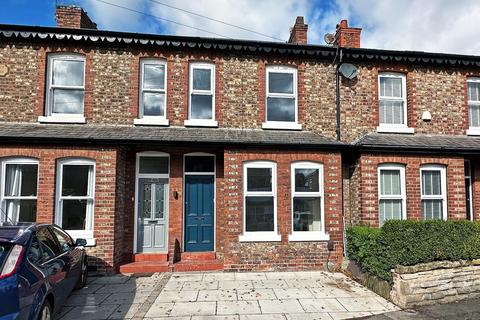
(40, 265)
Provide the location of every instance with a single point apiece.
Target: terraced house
(185, 153)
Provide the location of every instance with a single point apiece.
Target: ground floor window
(19, 183)
(391, 192)
(260, 209)
(433, 192)
(75, 194)
(307, 201)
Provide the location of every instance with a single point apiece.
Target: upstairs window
(65, 88)
(434, 192)
(392, 102)
(201, 109)
(75, 197)
(260, 208)
(19, 190)
(152, 94)
(281, 98)
(391, 193)
(473, 94)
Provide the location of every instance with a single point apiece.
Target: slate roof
(418, 142)
(13, 132)
(128, 39)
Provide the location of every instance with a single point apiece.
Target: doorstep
(197, 261)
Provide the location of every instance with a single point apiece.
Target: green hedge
(407, 242)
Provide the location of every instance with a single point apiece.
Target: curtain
(13, 186)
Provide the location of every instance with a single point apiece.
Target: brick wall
(439, 91)
(102, 256)
(282, 255)
(368, 191)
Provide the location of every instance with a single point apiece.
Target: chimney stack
(298, 34)
(347, 37)
(71, 16)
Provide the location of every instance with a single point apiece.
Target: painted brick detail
(282, 255)
(368, 191)
(105, 222)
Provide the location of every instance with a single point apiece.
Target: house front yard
(195, 296)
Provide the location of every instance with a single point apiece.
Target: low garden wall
(435, 282)
(417, 263)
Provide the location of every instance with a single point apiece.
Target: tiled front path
(225, 296)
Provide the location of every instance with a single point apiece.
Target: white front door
(152, 215)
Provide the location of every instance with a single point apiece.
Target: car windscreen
(4, 250)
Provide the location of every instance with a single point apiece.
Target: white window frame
(62, 117)
(472, 131)
(403, 192)
(389, 127)
(260, 236)
(308, 235)
(443, 176)
(151, 120)
(3, 170)
(201, 122)
(90, 197)
(289, 125)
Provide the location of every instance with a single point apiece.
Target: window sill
(282, 125)
(260, 237)
(62, 119)
(308, 236)
(200, 123)
(473, 132)
(392, 129)
(82, 234)
(151, 121)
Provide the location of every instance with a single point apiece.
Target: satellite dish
(329, 38)
(348, 70)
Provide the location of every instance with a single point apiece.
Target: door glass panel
(147, 201)
(159, 201)
(157, 165)
(199, 164)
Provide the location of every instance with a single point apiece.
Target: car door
(70, 255)
(54, 266)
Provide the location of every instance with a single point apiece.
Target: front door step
(198, 256)
(185, 266)
(144, 267)
(157, 257)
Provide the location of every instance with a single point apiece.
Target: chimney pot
(71, 16)
(298, 33)
(347, 37)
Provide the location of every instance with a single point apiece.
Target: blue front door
(199, 207)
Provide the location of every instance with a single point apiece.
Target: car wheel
(82, 280)
(45, 312)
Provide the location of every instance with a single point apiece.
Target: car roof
(18, 233)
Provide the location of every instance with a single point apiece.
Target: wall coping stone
(421, 267)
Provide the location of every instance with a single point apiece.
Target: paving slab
(250, 276)
(89, 288)
(269, 284)
(228, 317)
(99, 312)
(200, 285)
(322, 305)
(127, 298)
(86, 299)
(235, 284)
(160, 310)
(193, 309)
(187, 276)
(280, 275)
(262, 317)
(256, 294)
(237, 307)
(348, 315)
(308, 316)
(110, 280)
(280, 306)
(217, 295)
(293, 293)
(177, 296)
(362, 304)
(216, 276)
(125, 311)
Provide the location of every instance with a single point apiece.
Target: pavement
(225, 296)
(463, 310)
